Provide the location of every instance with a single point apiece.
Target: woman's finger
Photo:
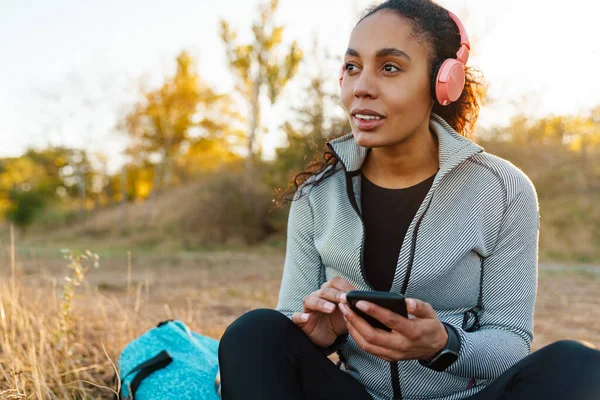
(330, 294)
(378, 351)
(372, 335)
(314, 302)
(335, 290)
(300, 319)
(341, 284)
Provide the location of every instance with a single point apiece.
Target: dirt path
(210, 290)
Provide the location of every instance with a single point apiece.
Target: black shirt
(387, 214)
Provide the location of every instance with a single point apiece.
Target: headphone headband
(462, 54)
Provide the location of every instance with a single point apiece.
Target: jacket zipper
(413, 247)
(393, 365)
(394, 371)
(396, 380)
(350, 191)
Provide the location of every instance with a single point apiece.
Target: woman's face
(385, 76)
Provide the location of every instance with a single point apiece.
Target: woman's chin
(366, 139)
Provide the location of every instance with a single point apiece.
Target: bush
(227, 209)
(25, 205)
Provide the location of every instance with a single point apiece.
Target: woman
(406, 203)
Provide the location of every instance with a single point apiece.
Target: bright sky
(56, 55)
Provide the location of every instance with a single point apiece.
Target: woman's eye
(388, 68)
(348, 66)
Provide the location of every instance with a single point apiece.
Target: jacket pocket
(471, 320)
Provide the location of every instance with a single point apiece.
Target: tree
(25, 204)
(258, 66)
(27, 184)
(162, 123)
(315, 122)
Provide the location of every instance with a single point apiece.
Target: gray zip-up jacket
(470, 251)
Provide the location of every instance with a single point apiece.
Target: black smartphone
(394, 302)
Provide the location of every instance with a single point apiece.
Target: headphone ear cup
(434, 77)
(450, 81)
(341, 74)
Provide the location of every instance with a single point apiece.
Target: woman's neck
(405, 164)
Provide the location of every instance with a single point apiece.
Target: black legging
(263, 355)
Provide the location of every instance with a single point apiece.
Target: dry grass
(39, 360)
(44, 357)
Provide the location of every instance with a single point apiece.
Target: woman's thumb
(420, 309)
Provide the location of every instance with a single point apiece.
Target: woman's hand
(418, 338)
(321, 319)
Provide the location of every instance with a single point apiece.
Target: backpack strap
(160, 361)
(161, 323)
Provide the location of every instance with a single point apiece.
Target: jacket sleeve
(303, 270)
(509, 285)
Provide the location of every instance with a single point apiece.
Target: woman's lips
(367, 125)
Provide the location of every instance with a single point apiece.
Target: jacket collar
(452, 147)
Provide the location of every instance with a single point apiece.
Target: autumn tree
(30, 182)
(315, 121)
(263, 65)
(169, 119)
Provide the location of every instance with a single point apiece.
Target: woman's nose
(365, 86)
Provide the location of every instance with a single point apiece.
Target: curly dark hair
(433, 26)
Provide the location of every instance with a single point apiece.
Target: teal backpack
(170, 362)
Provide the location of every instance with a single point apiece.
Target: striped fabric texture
(476, 228)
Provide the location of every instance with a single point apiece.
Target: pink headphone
(450, 79)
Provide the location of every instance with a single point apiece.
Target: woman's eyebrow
(385, 52)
